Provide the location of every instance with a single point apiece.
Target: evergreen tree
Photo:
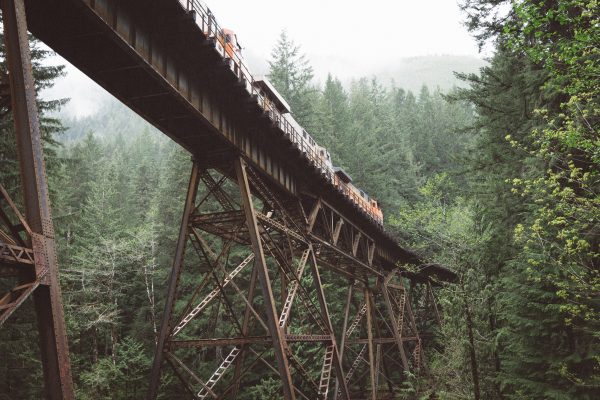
(547, 267)
(291, 74)
(50, 127)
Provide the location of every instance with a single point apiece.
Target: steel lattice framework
(259, 302)
(264, 242)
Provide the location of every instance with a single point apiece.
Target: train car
(272, 95)
(325, 163)
(279, 111)
(344, 182)
(295, 132)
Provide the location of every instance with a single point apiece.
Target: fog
(347, 38)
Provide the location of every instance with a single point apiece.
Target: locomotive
(226, 43)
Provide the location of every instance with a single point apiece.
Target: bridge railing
(207, 22)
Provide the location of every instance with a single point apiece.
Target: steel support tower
(247, 296)
(27, 247)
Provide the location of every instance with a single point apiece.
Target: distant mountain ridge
(436, 71)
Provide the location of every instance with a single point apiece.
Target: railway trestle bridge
(264, 235)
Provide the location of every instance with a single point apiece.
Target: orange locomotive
(230, 44)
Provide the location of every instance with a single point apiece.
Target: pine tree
(45, 77)
(291, 74)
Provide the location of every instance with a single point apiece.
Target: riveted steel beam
(47, 294)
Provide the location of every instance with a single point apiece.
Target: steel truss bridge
(264, 235)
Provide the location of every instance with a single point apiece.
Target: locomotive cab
(231, 44)
(376, 210)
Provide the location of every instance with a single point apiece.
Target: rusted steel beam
(394, 328)
(337, 361)
(355, 243)
(312, 218)
(12, 300)
(165, 330)
(23, 225)
(176, 362)
(245, 329)
(337, 230)
(218, 342)
(433, 301)
(346, 255)
(16, 254)
(344, 327)
(368, 302)
(279, 346)
(380, 340)
(47, 297)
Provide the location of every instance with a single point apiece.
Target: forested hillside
(498, 180)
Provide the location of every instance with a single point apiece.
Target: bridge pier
(227, 322)
(253, 326)
(27, 246)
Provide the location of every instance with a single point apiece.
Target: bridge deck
(153, 57)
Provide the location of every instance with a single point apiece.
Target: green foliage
(291, 74)
(50, 127)
(120, 377)
(538, 121)
(268, 389)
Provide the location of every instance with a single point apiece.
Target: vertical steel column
(339, 371)
(431, 296)
(47, 297)
(165, 326)
(279, 345)
(367, 294)
(245, 327)
(395, 328)
(344, 327)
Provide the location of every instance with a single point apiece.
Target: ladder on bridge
(357, 320)
(285, 312)
(326, 371)
(210, 384)
(401, 305)
(354, 367)
(214, 293)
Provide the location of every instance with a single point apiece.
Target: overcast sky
(348, 38)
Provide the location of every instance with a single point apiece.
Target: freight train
(226, 43)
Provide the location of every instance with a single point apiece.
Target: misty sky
(348, 38)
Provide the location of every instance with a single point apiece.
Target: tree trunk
(472, 353)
